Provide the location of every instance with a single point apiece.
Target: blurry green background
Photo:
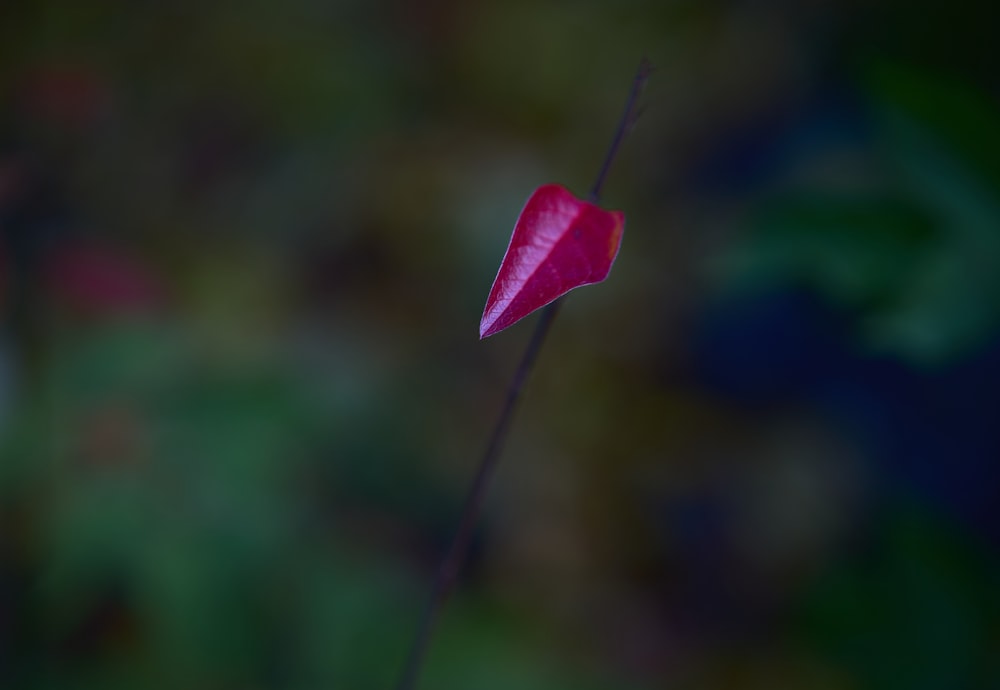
(244, 248)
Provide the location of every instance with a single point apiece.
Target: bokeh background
(244, 248)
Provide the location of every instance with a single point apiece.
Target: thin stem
(625, 124)
(448, 572)
(451, 564)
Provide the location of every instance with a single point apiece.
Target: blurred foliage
(243, 250)
(931, 577)
(914, 250)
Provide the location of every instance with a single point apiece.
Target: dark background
(244, 249)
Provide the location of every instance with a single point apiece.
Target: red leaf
(559, 243)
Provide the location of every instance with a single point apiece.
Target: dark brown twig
(451, 564)
(625, 124)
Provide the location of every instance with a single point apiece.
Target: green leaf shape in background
(857, 251)
(918, 259)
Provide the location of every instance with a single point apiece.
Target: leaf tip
(486, 329)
